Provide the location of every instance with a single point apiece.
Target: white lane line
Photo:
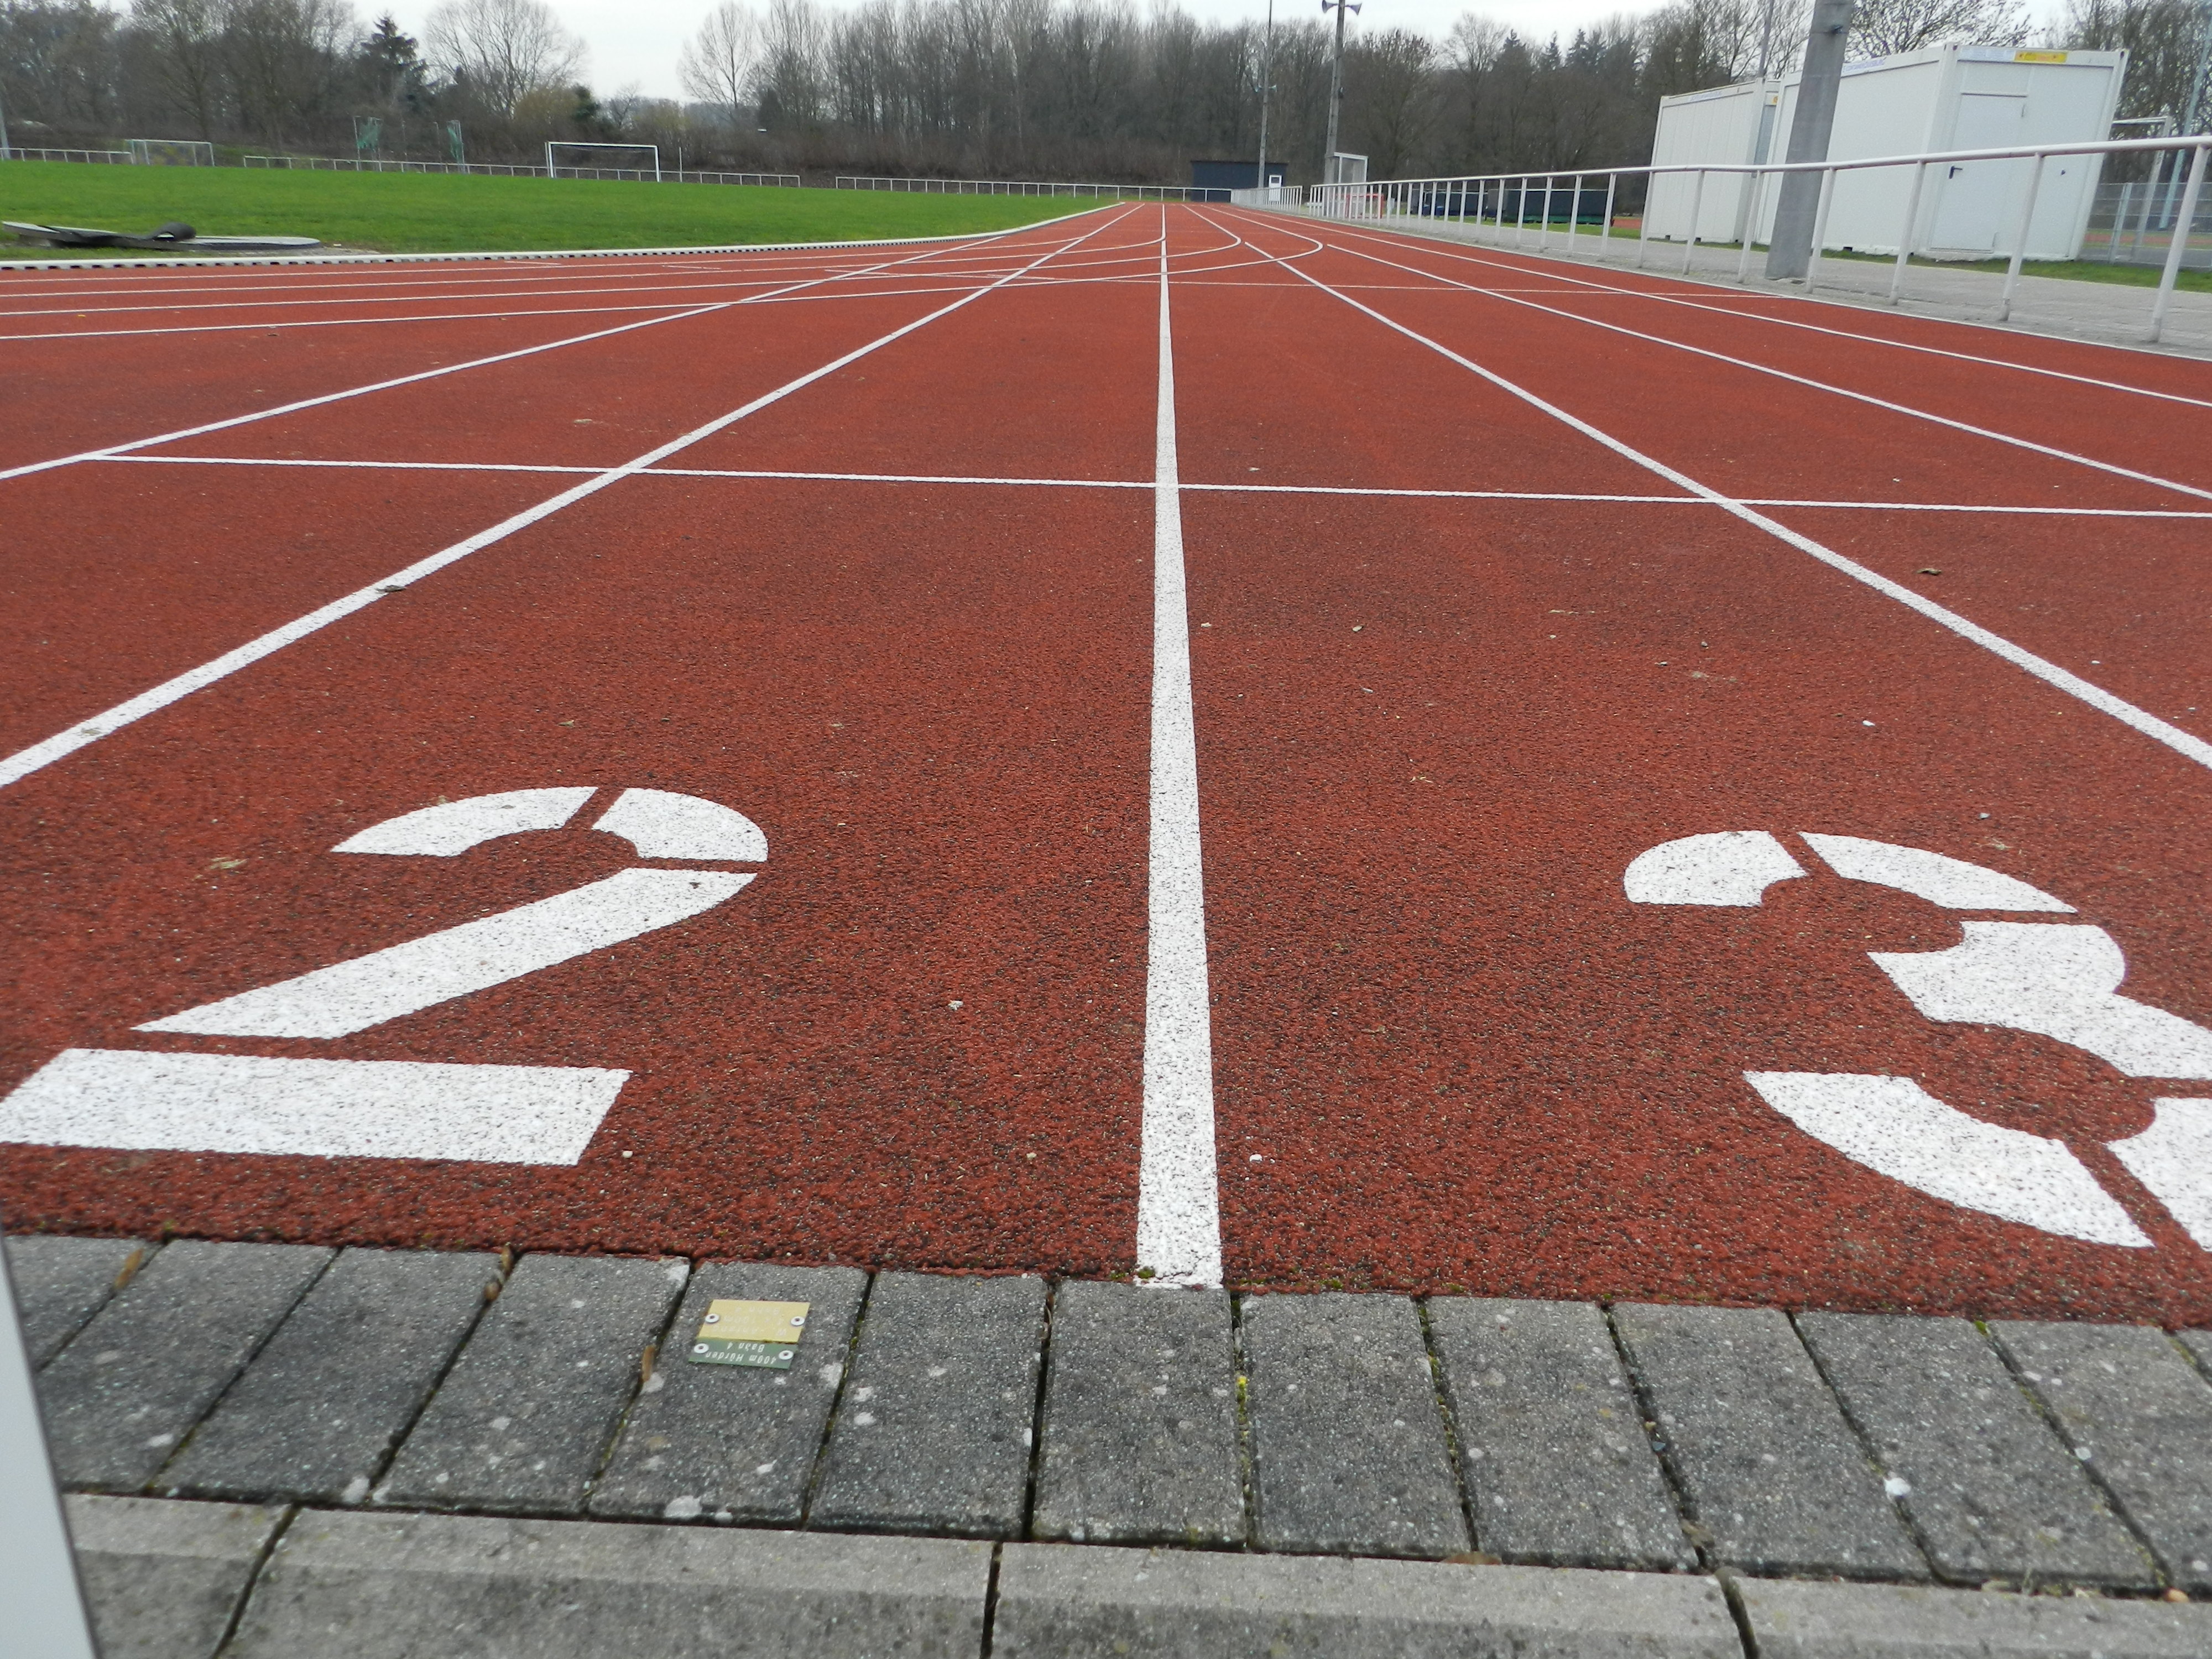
(110, 450)
(2182, 743)
(21, 764)
(1867, 397)
(137, 1101)
(336, 322)
(1568, 496)
(1178, 1192)
(457, 962)
(1585, 286)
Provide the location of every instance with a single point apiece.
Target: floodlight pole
(6, 152)
(1790, 246)
(1331, 170)
(41, 1602)
(1266, 85)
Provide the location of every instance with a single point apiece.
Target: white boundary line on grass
(1178, 1186)
(21, 764)
(2185, 744)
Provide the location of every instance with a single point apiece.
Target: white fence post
(2020, 242)
(1821, 228)
(2178, 248)
(1697, 207)
(1905, 237)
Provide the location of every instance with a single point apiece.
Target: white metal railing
(1036, 187)
(489, 169)
(1269, 195)
(109, 157)
(1502, 203)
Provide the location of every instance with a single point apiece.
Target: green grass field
(444, 213)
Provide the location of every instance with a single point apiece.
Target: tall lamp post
(1267, 86)
(1328, 166)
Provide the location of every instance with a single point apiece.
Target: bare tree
(285, 58)
(1880, 27)
(2163, 40)
(502, 50)
(185, 37)
(719, 63)
(793, 72)
(1388, 81)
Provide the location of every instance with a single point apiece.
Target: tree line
(1011, 88)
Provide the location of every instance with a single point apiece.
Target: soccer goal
(172, 153)
(581, 161)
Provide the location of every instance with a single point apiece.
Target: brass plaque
(758, 1333)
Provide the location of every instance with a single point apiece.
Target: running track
(1203, 681)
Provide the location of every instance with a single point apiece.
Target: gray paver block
(2140, 1415)
(144, 1371)
(934, 1431)
(1069, 1601)
(350, 1584)
(523, 1417)
(1901, 1621)
(1776, 1478)
(1348, 1450)
(61, 1282)
(728, 1441)
(1140, 1441)
(1558, 1470)
(327, 1398)
(2200, 1343)
(164, 1579)
(1990, 1488)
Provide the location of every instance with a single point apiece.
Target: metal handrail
(1392, 199)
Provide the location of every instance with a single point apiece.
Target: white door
(1977, 202)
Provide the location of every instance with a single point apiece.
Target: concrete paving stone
(1776, 1480)
(523, 1417)
(1070, 1602)
(1141, 1441)
(2198, 1343)
(143, 1373)
(163, 1579)
(1559, 1472)
(2139, 1415)
(1348, 1449)
(324, 1401)
(348, 1584)
(1989, 1488)
(934, 1431)
(61, 1282)
(727, 1442)
(1903, 1621)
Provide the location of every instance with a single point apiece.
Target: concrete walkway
(285, 1449)
(2105, 313)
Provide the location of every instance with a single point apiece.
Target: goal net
(172, 153)
(567, 160)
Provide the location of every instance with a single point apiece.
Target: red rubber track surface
(1432, 734)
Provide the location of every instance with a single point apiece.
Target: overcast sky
(634, 42)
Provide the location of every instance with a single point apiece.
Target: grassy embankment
(448, 213)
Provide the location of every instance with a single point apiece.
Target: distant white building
(1948, 98)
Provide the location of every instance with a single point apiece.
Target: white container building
(1721, 123)
(1947, 97)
